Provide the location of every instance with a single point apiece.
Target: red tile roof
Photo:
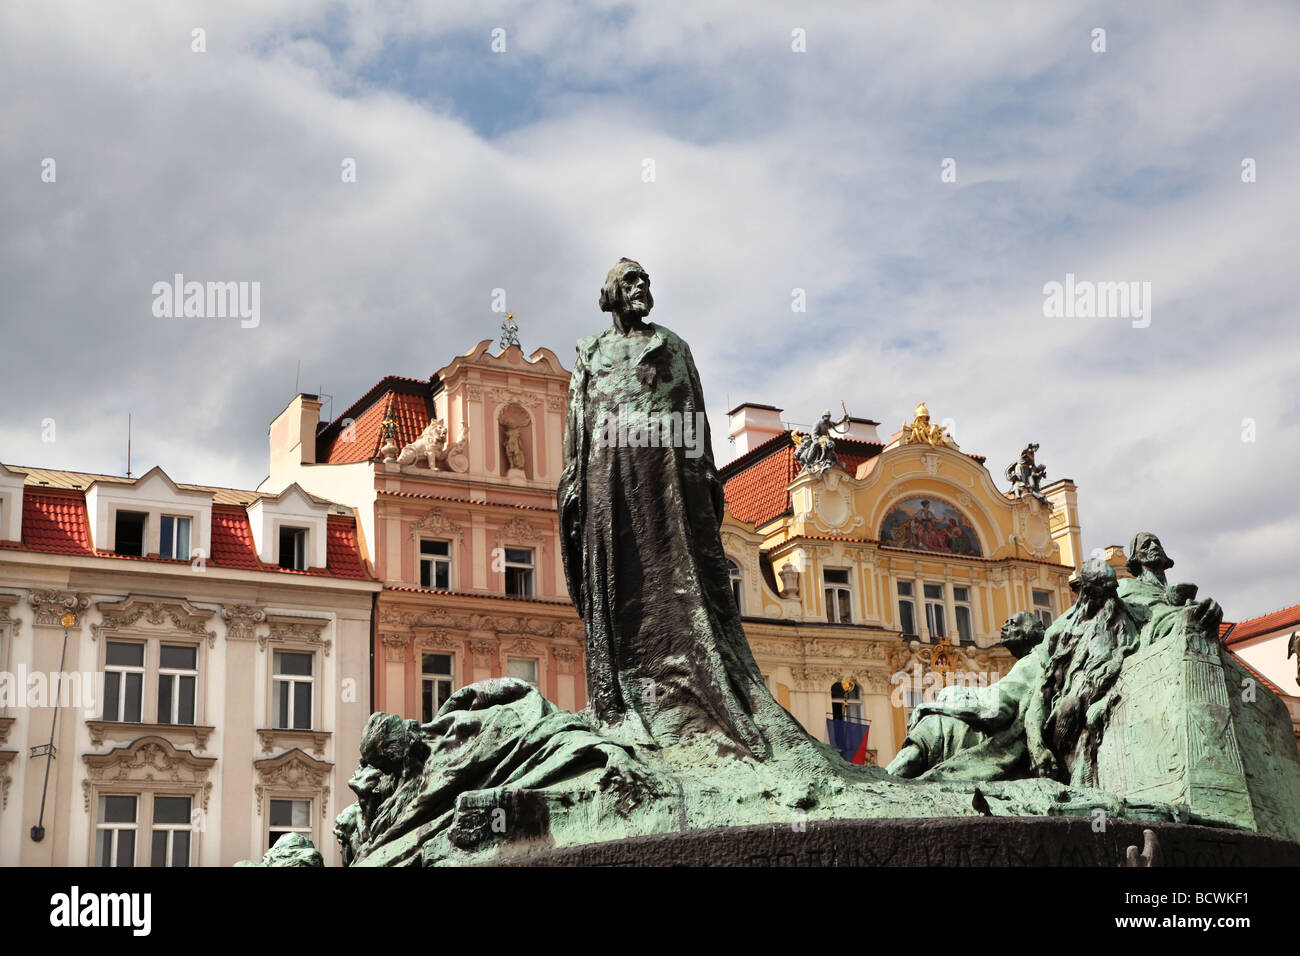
(407, 401)
(343, 557)
(55, 522)
(232, 539)
(1287, 617)
(757, 483)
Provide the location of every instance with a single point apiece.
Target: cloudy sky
(791, 146)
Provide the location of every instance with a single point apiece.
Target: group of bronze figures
(1046, 716)
(680, 723)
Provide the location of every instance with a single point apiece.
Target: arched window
(733, 572)
(846, 705)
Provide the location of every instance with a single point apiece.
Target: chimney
(293, 434)
(751, 425)
(862, 429)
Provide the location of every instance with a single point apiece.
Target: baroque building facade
(454, 479)
(867, 586)
(184, 670)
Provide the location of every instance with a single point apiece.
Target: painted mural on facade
(926, 524)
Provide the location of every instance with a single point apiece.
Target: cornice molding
(147, 761)
(157, 611)
(296, 772)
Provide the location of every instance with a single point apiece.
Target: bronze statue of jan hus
(667, 660)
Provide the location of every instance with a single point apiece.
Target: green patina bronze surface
(1127, 705)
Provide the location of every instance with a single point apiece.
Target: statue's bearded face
(1150, 553)
(634, 290)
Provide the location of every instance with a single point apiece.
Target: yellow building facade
(867, 586)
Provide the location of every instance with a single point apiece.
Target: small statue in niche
(1026, 475)
(514, 448)
(816, 452)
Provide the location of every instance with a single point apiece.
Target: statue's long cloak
(666, 656)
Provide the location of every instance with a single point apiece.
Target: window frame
(276, 678)
(736, 578)
(176, 674)
(149, 694)
(908, 599)
(958, 606)
(935, 609)
(433, 560)
(301, 538)
(845, 587)
(1039, 609)
(537, 669)
(114, 828)
(288, 797)
(144, 532)
(189, 536)
(171, 829)
(122, 670)
(433, 677)
(508, 565)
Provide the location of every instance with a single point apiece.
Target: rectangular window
(123, 681)
(519, 572)
(961, 608)
(935, 618)
(175, 537)
(291, 684)
(288, 816)
(733, 574)
(178, 676)
(435, 565)
(436, 679)
(1043, 607)
(906, 609)
(839, 608)
(171, 832)
(293, 548)
(115, 828)
(128, 533)
(524, 668)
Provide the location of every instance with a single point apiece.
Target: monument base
(946, 841)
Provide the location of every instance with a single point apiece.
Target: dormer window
(293, 548)
(175, 537)
(128, 533)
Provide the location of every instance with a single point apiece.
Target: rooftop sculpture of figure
(816, 452)
(1026, 475)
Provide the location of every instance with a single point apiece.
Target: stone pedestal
(1193, 728)
(950, 841)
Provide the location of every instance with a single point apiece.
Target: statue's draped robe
(992, 748)
(667, 659)
(1084, 650)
